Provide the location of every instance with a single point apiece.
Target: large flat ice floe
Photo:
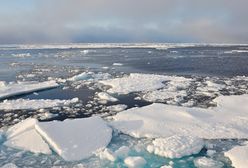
(138, 82)
(14, 89)
(228, 120)
(239, 156)
(21, 104)
(71, 139)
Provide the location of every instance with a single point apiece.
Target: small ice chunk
(117, 64)
(122, 152)
(107, 154)
(93, 135)
(204, 162)
(82, 76)
(211, 152)
(176, 146)
(135, 162)
(14, 89)
(117, 108)
(106, 96)
(238, 155)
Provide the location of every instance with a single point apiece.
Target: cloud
(123, 21)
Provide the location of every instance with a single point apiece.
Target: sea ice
(29, 140)
(117, 108)
(122, 152)
(137, 82)
(117, 64)
(34, 104)
(106, 96)
(93, 134)
(176, 146)
(135, 162)
(239, 156)
(14, 89)
(24, 136)
(228, 120)
(90, 76)
(71, 139)
(204, 162)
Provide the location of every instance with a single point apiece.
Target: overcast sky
(64, 21)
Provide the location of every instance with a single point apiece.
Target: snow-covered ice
(34, 104)
(239, 156)
(71, 139)
(24, 136)
(137, 82)
(76, 139)
(14, 89)
(228, 120)
(135, 162)
(176, 146)
(29, 140)
(204, 162)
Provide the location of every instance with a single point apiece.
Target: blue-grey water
(217, 62)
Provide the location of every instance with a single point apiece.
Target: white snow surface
(21, 104)
(136, 82)
(76, 139)
(239, 156)
(228, 120)
(135, 162)
(204, 162)
(29, 140)
(176, 146)
(24, 136)
(14, 89)
(71, 139)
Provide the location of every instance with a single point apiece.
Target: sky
(71, 21)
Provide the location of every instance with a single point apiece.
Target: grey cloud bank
(62, 21)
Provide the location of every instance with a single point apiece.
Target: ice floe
(227, 120)
(106, 96)
(176, 146)
(62, 137)
(117, 108)
(14, 89)
(24, 136)
(204, 162)
(137, 82)
(135, 162)
(90, 76)
(21, 104)
(239, 156)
